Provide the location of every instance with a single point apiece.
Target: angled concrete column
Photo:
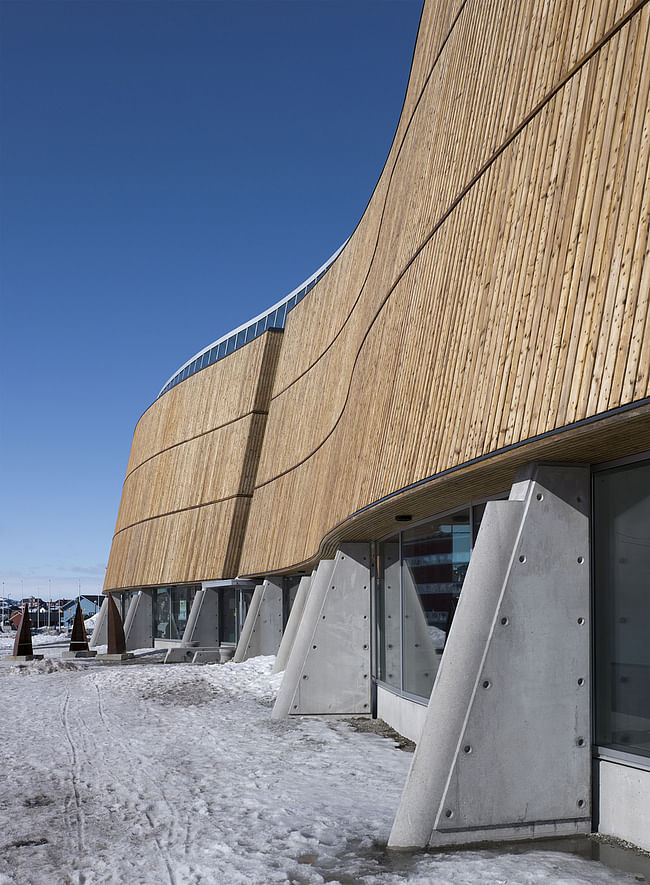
(262, 629)
(138, 624)
(291, 629)
(505, 748)
(100, 633)
(328, 670)
(202, 628)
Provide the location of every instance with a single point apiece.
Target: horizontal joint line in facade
(196, 436)
(182, 510)
(387, 194)
(446, 215)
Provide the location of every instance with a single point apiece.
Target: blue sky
(167, 171)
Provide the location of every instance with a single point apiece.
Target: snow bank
(146, 774)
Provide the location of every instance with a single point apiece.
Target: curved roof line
(300, 290)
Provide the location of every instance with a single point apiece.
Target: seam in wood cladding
(492, 307)
(623, 431)
(329, 294)
(496, 329)
(517, 376)
(216, 396)
(187, 505)
(540, 27)
(307, 391)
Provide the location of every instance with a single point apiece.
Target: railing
(274, 318)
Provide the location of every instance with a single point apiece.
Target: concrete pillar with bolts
(262, 629)
(328, 670)
(138, 624)
(505, 749)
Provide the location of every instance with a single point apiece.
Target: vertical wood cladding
(496, 289)
(508, 291)
(191, 474)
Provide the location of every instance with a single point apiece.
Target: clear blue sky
(167, 171)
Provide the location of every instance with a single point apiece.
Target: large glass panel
(245, 599)
(389, 613)
(181, 603)
(228, 615)
(160, 606)
(622, 607)
(435, 557)
(289, 591)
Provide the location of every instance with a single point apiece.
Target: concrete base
(623, 802)
(207, 656)
(405, 716)
(138, 624)
(72, 655)
(179, 655)
(21, 658)
(262, 630)
(127, 656)
(328, 671)
(505, 748)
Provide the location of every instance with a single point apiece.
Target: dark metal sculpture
(23, 641)
(116, 640)
(78, 639)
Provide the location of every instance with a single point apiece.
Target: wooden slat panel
(496, 290)
(186, 497)
(502, 328)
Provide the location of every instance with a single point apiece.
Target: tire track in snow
(74, 773)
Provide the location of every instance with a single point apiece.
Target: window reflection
(171, 610)
(389, 613)
(622, 607)
(228, 615)
(435, 557)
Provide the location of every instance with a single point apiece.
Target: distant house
(90, 605)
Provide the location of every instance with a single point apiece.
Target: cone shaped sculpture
(78, 639)
(23, 641)
(116, 640)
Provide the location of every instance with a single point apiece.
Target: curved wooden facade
(490, 309)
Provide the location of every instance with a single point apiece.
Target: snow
(144, 774)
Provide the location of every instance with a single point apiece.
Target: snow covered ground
(148, 774)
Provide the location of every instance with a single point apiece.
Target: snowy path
(149, 775)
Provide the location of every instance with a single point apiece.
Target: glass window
(228, 615)
(171, 609)
(230, 344)
(222, 350)
(160, 607)
(622, 607)
(181, 599)
(281, 315)
(241, 339)
(291, 303)
(435, 557)
(245, 599)
(289, 590)
(389, 613)
(213, 355)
